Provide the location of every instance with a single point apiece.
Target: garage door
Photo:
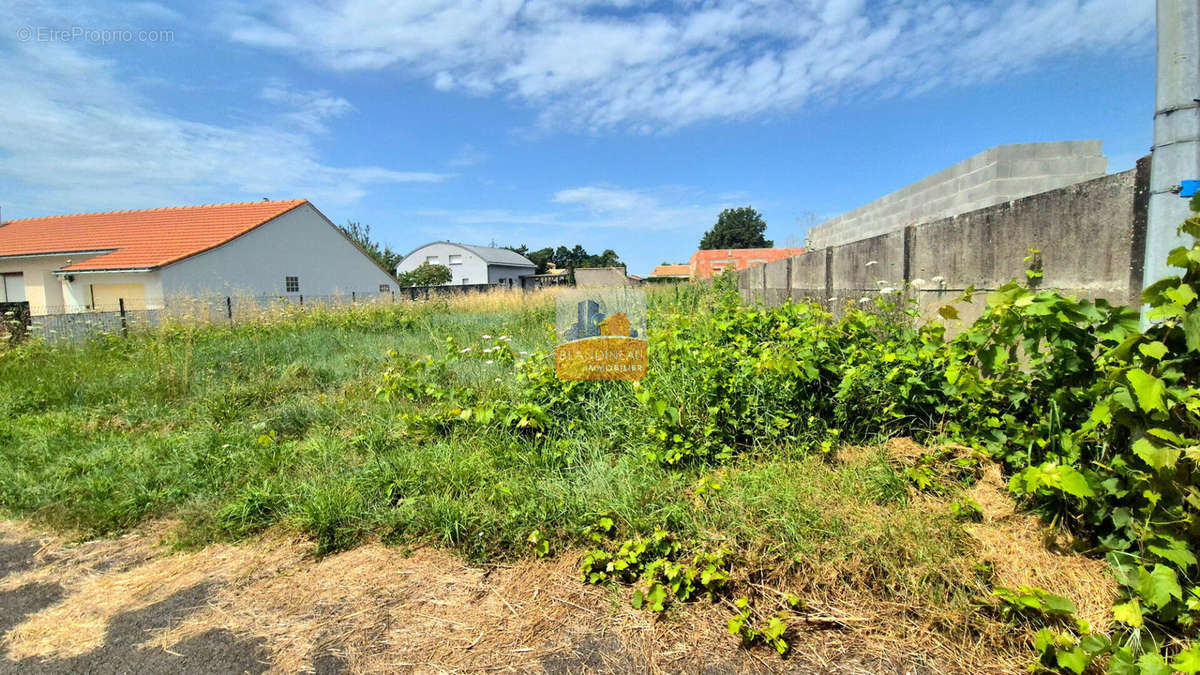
(107, 297)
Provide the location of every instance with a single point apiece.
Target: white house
(471, 264)
(93, 261)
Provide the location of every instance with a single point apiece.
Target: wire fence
(55, 323)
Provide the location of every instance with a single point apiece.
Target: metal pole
(229, 308)
(124, 325)
(1175, 156)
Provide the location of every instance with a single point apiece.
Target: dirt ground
(130, 604)
(268, 605)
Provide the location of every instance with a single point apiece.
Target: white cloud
(592, 207)
(76, 138)
(594, 65)
(606, 200)
(310, 109)
(467, 155)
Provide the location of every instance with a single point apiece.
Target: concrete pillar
(1176, 153)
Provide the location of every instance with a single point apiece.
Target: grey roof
(492, 256)
(499, 256)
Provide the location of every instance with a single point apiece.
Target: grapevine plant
(1096, 422)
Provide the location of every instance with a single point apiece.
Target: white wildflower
(871, 262)
(464, 350)
(489, 362)
(486, 337)
(833, 299)
(918, 282)
(863, 301)
(523, 353)
(938, 280)
(488, 350)
(505, 338)
(887, 290)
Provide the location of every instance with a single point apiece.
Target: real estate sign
(601, 334)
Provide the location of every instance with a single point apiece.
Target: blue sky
(616, 125)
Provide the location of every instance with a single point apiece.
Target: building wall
(508, 274)
(49, 293)
(43, 290)
(1090, 236)
(706, 264)
(997, 175)
(600, 277)
(472, 269)
(102, 291)
(299, 243)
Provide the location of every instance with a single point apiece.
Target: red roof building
(706, 264)
(671, 272)
(139, 258)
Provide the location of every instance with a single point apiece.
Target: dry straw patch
(1024, 551)
(380, 609)
(1021, 549)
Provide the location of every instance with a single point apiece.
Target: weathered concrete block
(868, 265)
(985, 179)
(1084, 232)
(808, 273)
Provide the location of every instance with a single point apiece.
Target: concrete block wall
(1090, 236)
(997, 175)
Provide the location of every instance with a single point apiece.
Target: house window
(291, 284)
(431, 259)
(465, 280)
(455, 259)
(384, 288)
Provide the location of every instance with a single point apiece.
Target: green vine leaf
(1129, 613)
(1157, 456)
(1075, 660)
(1191, 330)
(1149, 390)
(1188, 660)
(1158, 586)
(1155, 350)
(1153, 664)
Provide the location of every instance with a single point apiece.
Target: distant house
(706, 264)
(665, 272)
(551, 277)
(471, 264)
(96, 261)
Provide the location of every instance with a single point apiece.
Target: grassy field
(350, 424)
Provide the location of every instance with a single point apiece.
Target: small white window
(455, 259)
(431, 259)
(291, 284)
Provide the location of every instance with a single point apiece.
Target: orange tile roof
(137, 239)
(671, 271)
(707, 262)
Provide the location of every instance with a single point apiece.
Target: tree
(425, 274)
(737, 228)
(361, 235)
(567, 258)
